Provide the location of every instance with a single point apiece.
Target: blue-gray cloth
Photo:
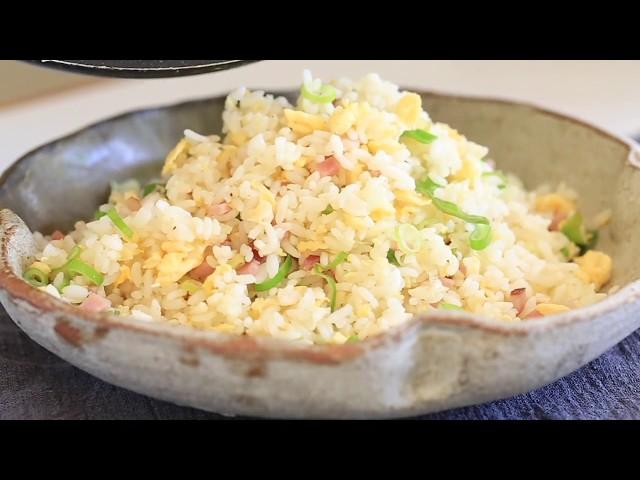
(35, 384)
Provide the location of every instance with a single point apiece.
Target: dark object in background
(141, 68)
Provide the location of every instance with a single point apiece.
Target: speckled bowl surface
(435, 362)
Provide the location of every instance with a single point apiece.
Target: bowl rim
(264, 348)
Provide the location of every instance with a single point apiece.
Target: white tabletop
(604, 92)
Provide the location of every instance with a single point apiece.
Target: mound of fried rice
(321, 182)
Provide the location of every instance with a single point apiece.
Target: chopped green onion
(480, 238)
(332, 285)
(565, 252)
(574, 230)
(328, 210)
(283, 271)
(418, 135)
(353, 338)
(454, 210)
(36, 277)
(427, 187)
(74, 253)
(594, 236)
(408, 238)
(99, 214)
(119, 223)
(190, 285)
(497, 173)
(114, 311)
(149, 189)
(81, 268)
(340, 258)
(326, 94)
(449, 306)
(391, 257)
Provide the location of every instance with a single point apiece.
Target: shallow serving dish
(435, 362)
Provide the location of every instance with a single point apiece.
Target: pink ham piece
(95, 303)
(256, 255)
(250, 268)
(57, 235)
(519, 299)
(448, 282)
(218, 210)
(202, 271)
(558, 218)
(133, 204)
(310, 261)
(329, 167)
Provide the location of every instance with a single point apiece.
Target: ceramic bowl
(434, 362)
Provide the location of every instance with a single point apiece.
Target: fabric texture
(35, 384)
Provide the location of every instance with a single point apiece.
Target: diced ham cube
(95, 303)
(310, 261)
(250, 268)
(202, 271)
(448, 282)
(329, 167)
(218, 210)
(558, 218)
(133, 204)
(519, 299)
(57, 235)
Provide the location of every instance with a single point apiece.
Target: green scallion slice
(119, 223)
(190, 285)
(353, 339)
(328, 210)
(418, 135)
(480, 238)
(427, 187)
(339, 258)
(449, 306)
(408, 238)
(99, 214)
(152, 187)
(36, 277)
(79, 267)
(573, 228)
(497, 173)
(326, 94)
(391, 257)
(283, 271)
(332, 286)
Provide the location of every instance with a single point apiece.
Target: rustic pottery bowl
(435, 362)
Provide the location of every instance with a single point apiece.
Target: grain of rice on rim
(310, 181)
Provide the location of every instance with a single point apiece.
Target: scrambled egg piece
(311, 246)
(342, 120)
(382, 213)
(409, 108)
(554, 202)
(596, 266)
(176, 265)
(237, 138)
(125, 274)
(303, 123)
(409, 197)
(388, 146)
(179, 152)
(551, 308)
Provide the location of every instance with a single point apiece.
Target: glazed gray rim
(269, 347)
